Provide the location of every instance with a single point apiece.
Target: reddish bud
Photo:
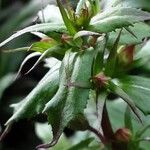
(123, 135)
(101, 80)
(65, 38)
(126, 54)
(92, 40)
(83, 18)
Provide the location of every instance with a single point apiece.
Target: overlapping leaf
(116, 111)
(34, 103)
(47, 53)
(78, 94)
(127, 38)
(71, 98)
(42, 46)
(127, 98)
(144, 52)
(143, 56)
(45, 27)
(69, 25)
(112, 19)
(144, 4)
(55, 106)
(80, 6)
(138, 88)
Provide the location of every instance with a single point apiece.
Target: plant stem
(99, 134)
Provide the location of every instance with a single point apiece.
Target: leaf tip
(7, 129)
(51, 144)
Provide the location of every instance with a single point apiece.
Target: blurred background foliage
(14, 15)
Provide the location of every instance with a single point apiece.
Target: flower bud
(126, 54)
(65, 38)
(101, 80)
(123, 135)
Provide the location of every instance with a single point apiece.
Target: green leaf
(50, 62)
(85, 33)
(77, 96)
(116, 111)
(25, 60)
(100, 50)
(55, 49)
(16, 50)
(128, 119)
(111, 60)
(42, 46)
(143, 57)
(144, 4)
(101, 98)
(142, 131)
(45, 27)
(144, 52)
(34, 103)
(95, 4)
(40, 35)
(70, 100)
(56, 105)
(130, 31)
(115, 18)
(82, 145)
(122, 94)
(80, 6)
(142, 136)
(67, 21)
(127, 38)
(138, 88)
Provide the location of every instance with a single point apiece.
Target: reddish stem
(98, 133)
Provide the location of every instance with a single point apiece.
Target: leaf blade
(117, 18)
(38, 27)
(138, 88)
(34, 103)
